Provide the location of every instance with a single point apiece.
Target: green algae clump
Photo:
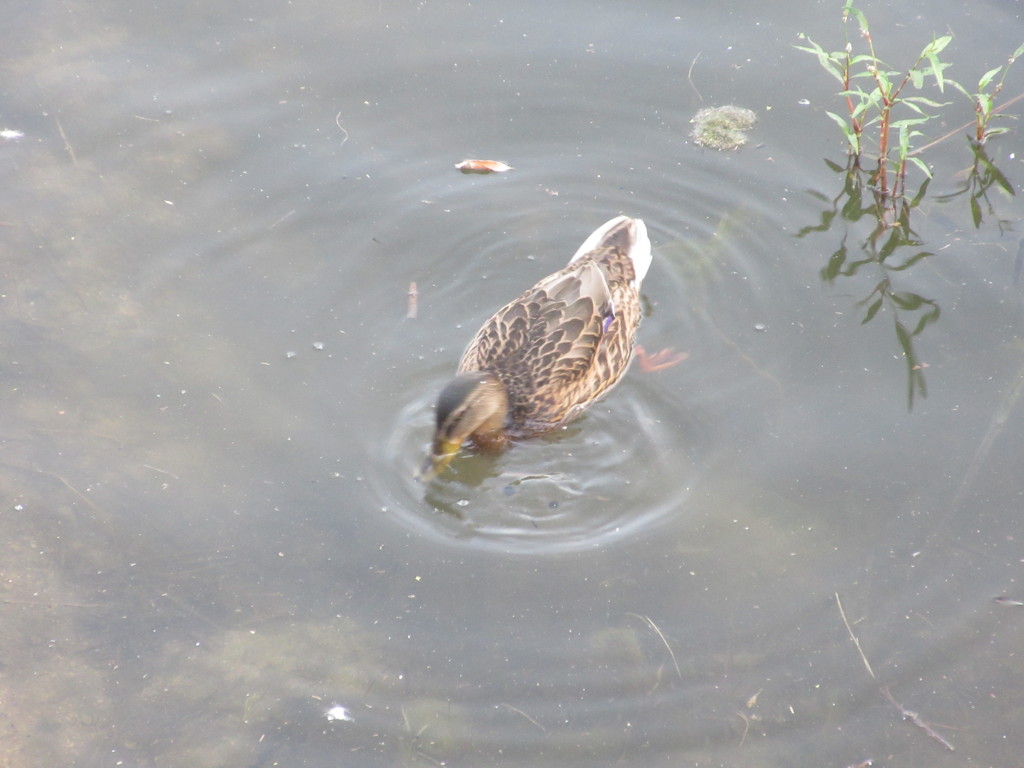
(722, 127)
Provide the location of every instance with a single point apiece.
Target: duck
(542, 359)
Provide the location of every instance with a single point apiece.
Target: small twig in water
(746, 727)
(410, 313)
(161, 471)
(1003, 600)
(67, 144)
(957, 130)
(37, 604)
(853, 637)
(654, 626)
(520, 712)
(281, 219)
(337, 122)
(913, 717)
(689, 76)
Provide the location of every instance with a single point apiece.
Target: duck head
(473, 405)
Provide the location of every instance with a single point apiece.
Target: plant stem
(957, 130)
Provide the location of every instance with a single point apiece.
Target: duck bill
(436, 462)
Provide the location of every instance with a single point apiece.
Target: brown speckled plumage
(551, 352)
(549, 348)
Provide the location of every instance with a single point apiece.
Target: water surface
(214, 398)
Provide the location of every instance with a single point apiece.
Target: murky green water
(213, 397)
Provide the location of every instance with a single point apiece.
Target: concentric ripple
(630, 460)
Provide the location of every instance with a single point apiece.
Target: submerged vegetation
(722, 127)
(884, 249)
(886, 112)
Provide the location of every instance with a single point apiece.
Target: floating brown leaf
(483, 166)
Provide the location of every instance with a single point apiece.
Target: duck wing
(543, 344)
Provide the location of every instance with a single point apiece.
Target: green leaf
(907, 301)
(911, 261)
(872, 311)
(916, 377)
(960, 88)
(914, 374)
(906, 342)
(883, 81)
(894, 241)
(912, 106)
(976, 212)
(931, 52)
(835, 264)
(926, 101)
(928, 317)
(862, 22)
(937, 46)
(848, 132)
(997, 175)
(860, 108)
(937, 71)
(921, 164)
(874, 98)
(904, 136)
(908, 121)
(840, 121)
(923, 190)
(987, 78)
(984, 102)
(830, 62)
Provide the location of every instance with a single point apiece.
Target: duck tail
(622, 234)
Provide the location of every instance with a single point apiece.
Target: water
(214, 400)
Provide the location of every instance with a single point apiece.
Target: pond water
(214, 396)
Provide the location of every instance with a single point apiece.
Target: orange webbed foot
(666, 358)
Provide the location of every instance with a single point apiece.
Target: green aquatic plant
(878, 107)
(722, 127)
(976, 183)
(882, 110)
(436, 731)
(886, 111)
(984, 99)
(888, 252)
